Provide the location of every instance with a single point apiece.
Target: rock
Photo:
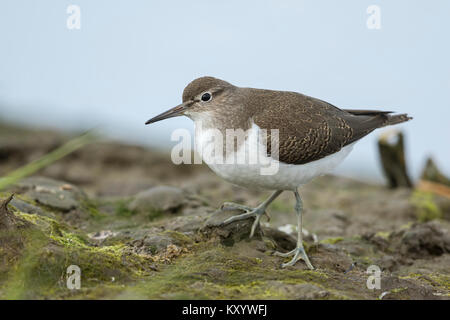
(55, 194)
(156, 243)
(423, 240)
(186, 224)
(387, 262)
(132, 234)
(160, 198)
(153, 244)
(27, 207)
(382, 243)
(231, 232)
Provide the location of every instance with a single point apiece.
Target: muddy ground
(140, 227)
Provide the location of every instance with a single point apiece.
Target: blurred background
(131, 60)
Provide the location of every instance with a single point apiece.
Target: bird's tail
(382, 118)
(396, 119)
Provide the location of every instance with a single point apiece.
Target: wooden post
(392, 156)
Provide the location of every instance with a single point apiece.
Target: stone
(229, 233)
(425, 239)
(55, 194)
(160, 198)
(155, 243)
(27, 207)
(186, 224)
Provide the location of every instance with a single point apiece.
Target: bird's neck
(224, 119)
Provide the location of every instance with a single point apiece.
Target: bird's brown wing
(309, 128)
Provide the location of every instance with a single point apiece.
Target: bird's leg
(299, 251)
(250, 212)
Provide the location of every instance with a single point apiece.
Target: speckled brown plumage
(309, 128)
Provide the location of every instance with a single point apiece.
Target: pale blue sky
(131, 60)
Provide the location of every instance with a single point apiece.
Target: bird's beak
(174, 112)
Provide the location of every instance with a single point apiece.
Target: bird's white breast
(266, 173)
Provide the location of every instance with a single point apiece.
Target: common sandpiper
(312, 138)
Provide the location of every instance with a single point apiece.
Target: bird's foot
(257, 213)
(298, 253)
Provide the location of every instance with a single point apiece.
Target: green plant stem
(47, 159)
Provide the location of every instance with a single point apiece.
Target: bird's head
(203, 95)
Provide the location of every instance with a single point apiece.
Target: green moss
(4, 195)
(332, 240)
(209, 270)
(425, 207)
(398, 290)
(394, 291)
(180, 238)
(44, 250)
(364, 260)
(407, 226)
(28, 272)
(269, 243)
(442, 279)
(91, 207)
(383, 234)
(155, 214)
(411, 276)
(435, 279)
(122, 209)
(218, 273)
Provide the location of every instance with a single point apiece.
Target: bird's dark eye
(206, 96)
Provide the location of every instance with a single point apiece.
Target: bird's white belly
(266, 173)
